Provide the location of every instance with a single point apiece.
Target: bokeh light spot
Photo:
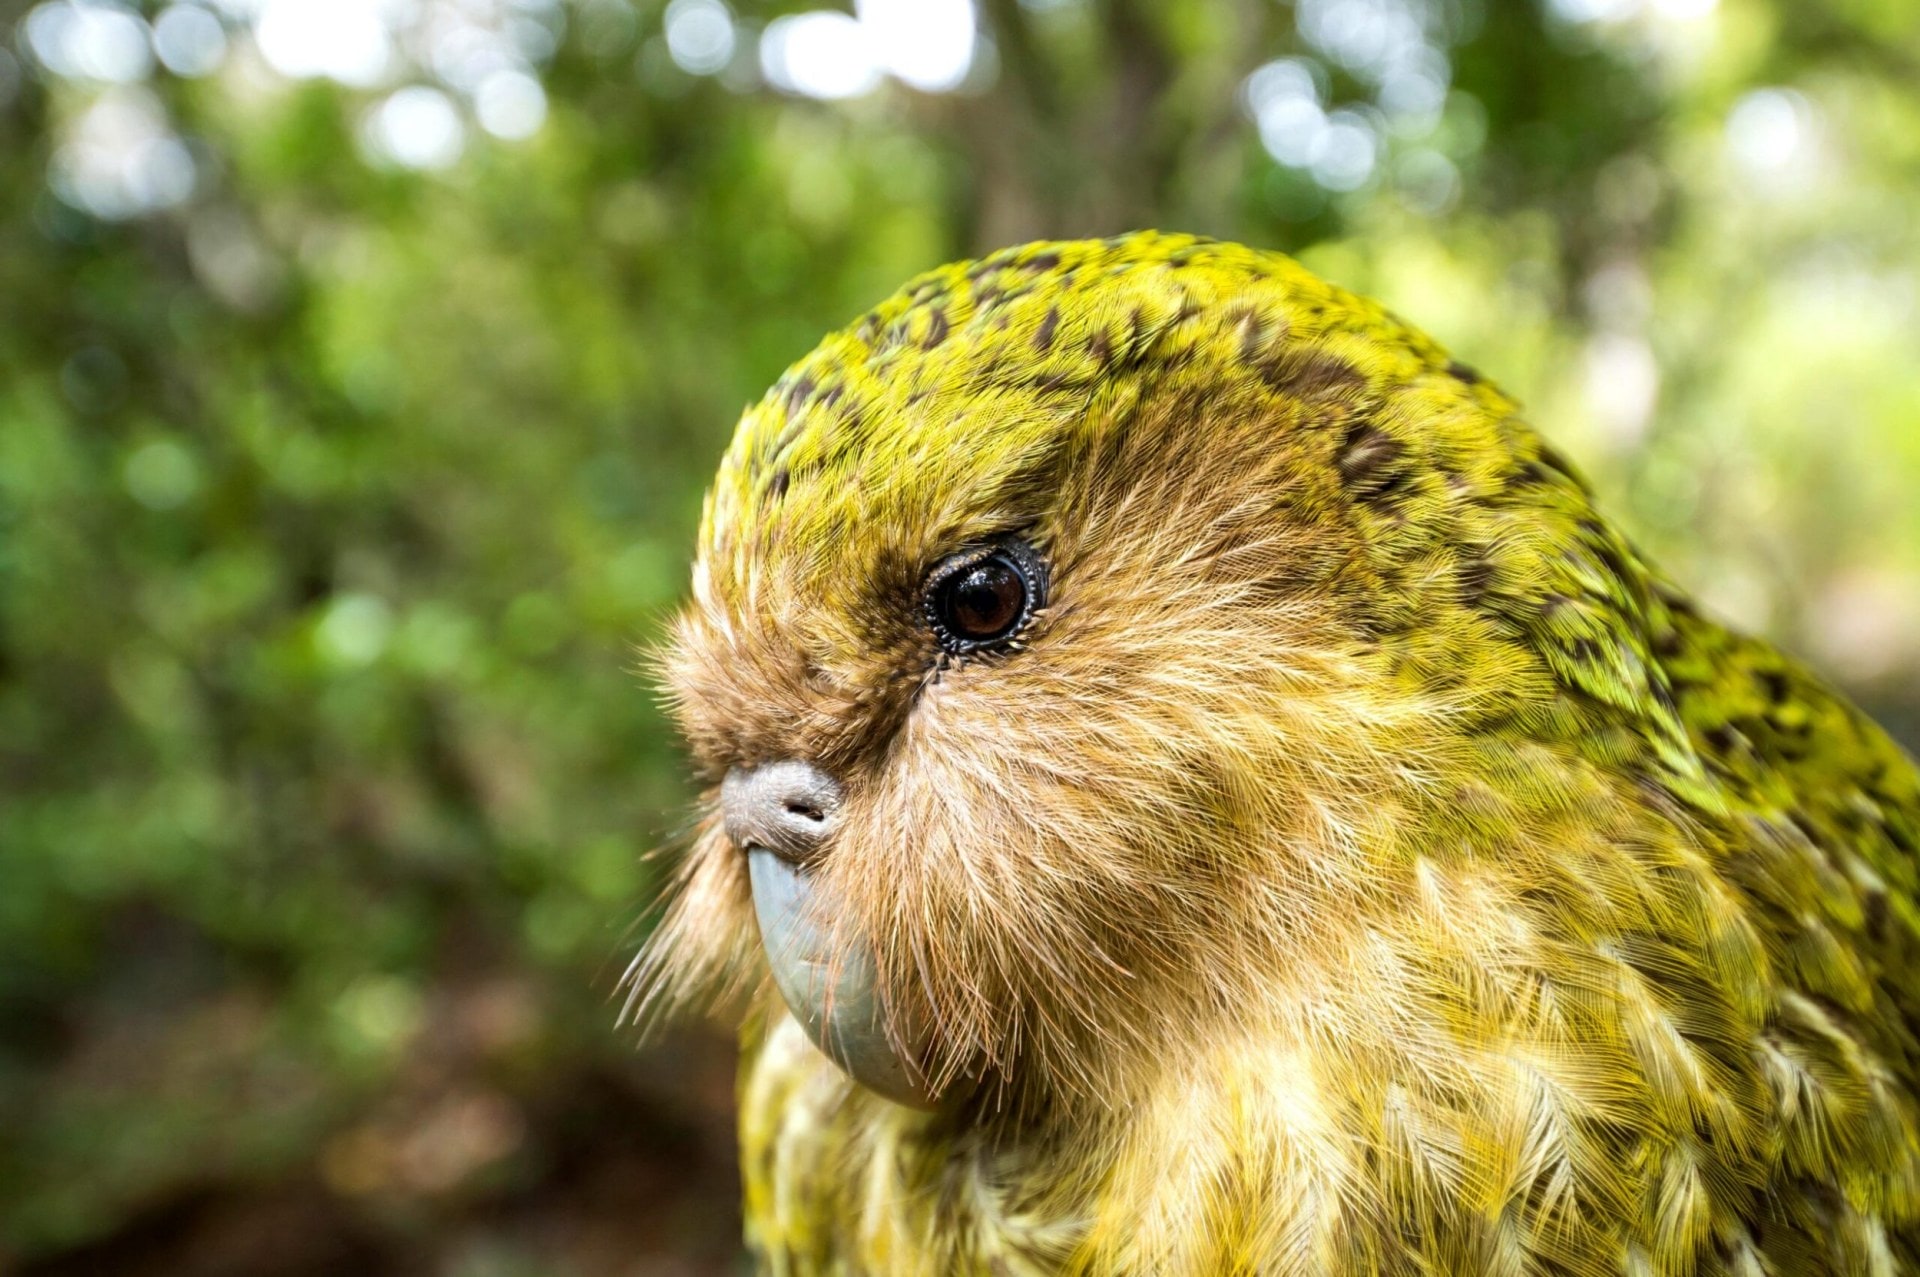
(344, 40)
(378, 1013)
(1770, 132)
(189, 40)
(354, 630)
(161, 475)
(463, 54)
(90, 39)
(700, 36)
(417, 127)
(120, 159)
(1345, 153)
(925, 44)
(1593, 11)
(819, 54)
(1622, 386)
(510, 104)
(1284, 99)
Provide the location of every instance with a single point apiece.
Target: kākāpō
(1198, 788)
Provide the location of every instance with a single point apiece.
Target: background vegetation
(361, 364)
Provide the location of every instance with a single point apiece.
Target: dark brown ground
(611, 1174)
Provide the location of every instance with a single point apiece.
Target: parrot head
(1070, 641)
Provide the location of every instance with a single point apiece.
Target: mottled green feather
(1607, 919)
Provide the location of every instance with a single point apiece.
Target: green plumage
(1367, 865)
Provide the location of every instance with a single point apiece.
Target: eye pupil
(986, 600)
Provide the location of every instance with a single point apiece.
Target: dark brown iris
(983, 598)
(985, 601)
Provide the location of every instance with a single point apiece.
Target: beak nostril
(787, 806)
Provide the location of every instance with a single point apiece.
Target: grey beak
(782, 815)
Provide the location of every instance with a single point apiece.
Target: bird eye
(981, 598)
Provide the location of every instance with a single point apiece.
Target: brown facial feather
(1044, 845)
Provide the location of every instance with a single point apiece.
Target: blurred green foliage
(339, 500)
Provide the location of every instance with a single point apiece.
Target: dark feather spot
(1878, 915)
(1529, 474)
(1310, 374)
(1460, 372)
(1475, 578)
(937, 329)
(1677, 603)
(798, 393)
(1603, 547)
(1043, 338)
(1100, 349)
(1899, 835)
(1367, 457)
(1556, 462)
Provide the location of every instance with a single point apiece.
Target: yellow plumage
(1363, 863)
